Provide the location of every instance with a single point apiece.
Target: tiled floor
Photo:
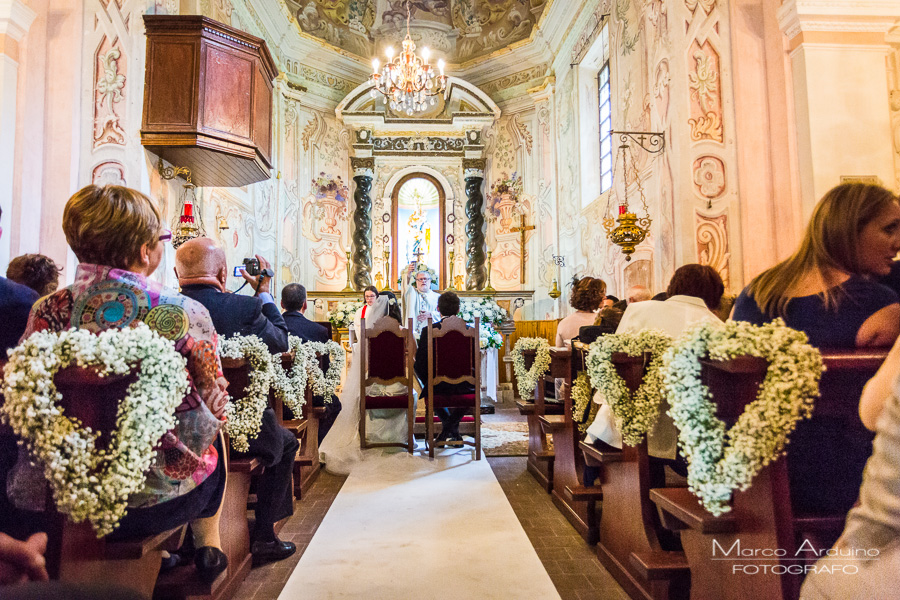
(572, 565)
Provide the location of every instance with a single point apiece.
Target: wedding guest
(15, 303)
(609, 302)
(448, 305)
(37, 271)
(827, 289)
(872, 530)
(693, 294)
(117, 234)
(587, 296)
(638, 293)
(202, 271)
(293, 301)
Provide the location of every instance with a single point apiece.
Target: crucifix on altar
(522, 229)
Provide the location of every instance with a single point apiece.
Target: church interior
(554, 164)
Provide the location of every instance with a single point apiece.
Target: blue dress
(826, 455)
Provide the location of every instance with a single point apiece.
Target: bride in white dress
(340, 449)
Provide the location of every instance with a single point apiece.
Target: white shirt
(672, 316)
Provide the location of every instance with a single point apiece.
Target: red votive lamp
(622, 209)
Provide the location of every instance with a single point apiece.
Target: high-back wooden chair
(386, 354)
(454, 356)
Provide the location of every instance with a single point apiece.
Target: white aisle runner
(403, 527)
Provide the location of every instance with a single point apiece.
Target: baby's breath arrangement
(89, 483)
(527, 379)
(245, 414)
(343, 313)
(324, 384)
(291, 385)
(722, 461)
(583, 409)
(636, 415)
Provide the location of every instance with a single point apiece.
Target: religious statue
(419, 228)
(419, 300)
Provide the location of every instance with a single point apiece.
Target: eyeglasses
(165, 236)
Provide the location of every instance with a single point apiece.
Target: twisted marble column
(361, 272)
(474, 175)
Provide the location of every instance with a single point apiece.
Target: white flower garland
(88, 483)
(324, 384)
(583, 409)
(527, 379)
(719, 461)
(245, 414)
(637, 415)
(291, 386)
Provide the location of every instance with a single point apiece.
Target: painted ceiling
(456, 30)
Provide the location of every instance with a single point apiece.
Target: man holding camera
(202, 271)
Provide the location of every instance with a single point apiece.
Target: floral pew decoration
(325, 383)
(635, 414)
(721, 461)
(290, 385)
(245, 414)
(527, 379)
(89, 483)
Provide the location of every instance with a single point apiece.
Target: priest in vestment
(420, 301)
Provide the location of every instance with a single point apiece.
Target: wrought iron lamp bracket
(651, 142)
(173, 171)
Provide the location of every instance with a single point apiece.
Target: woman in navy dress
(828, 289)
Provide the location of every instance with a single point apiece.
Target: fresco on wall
(458, 29)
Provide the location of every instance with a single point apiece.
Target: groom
(448, 306)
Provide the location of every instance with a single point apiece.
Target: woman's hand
(21, 562)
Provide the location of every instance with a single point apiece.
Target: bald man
(202, 270)
(638, 293)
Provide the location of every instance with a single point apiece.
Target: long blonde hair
(830, 244)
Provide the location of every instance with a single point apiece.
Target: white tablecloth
(489, 374)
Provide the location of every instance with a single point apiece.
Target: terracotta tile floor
(572, 564)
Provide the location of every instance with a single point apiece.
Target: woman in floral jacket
(118, 237)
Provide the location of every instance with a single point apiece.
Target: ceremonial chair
(74, 553)
(386, 354)
(454, 356)
(762, 517)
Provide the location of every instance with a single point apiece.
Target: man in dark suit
(202, 270)
(448, 306)
(293, 301)
(15, 304)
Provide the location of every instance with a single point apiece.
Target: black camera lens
(252, 266)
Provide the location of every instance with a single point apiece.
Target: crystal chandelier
(407, 81)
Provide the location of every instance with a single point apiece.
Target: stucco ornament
(709, 177)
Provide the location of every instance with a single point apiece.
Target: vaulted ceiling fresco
(457, 30)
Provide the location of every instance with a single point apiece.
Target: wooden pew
(305, 427)
(762, 516)
(182, 583)
(540, 455)
(577, 501)
(74, 553)
(643, 557)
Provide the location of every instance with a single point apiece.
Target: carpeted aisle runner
(406, 527)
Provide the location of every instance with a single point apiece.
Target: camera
(251, 265)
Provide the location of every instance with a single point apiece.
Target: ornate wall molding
(712, 244)
(518, 78)
(363, 167)
(863, 16)
(419, 145)
(473, 167)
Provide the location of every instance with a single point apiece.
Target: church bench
(540, 455)
(633, 545)
(762, 516)
(568, 464)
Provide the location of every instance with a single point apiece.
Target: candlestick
(348, 287)
(387, 268)
(489, 288)
(450, 286)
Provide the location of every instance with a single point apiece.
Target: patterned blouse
(101, 298)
